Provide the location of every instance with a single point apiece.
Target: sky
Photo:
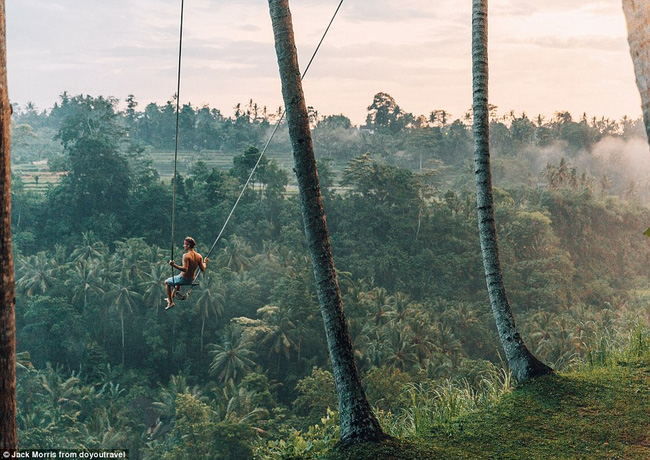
(545, 56)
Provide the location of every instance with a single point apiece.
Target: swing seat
(182, 296)
(179, 286)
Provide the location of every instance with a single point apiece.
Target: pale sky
(545, 56)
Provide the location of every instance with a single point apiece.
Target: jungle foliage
(242, 363)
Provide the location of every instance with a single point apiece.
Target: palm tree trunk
(637, 16)
(8, 433)
(357, 421)
(202, 332)
(122, 324)
(523, 364)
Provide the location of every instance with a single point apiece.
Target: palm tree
(236, 254)
(271, 251)
(243, 291)
(423, 336)
(358, 337)
(240, 408)
(122, 298)
(210, 300)
(84, 278)
(445, 341)
(36, 274)
(152, 285)
(378, 302)
(523, 364)
(89, 249)
(165, 405)
(637, 16)
(61, 395)
(233, 359)
(372, 344)
(151, 254)
(399, 349)
(402, 306)
(357, 421)
(282, 330)
(129, 256)
(8, 432)
(461, 317)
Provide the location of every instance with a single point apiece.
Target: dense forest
(241, 368)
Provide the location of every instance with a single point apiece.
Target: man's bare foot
(170, 304)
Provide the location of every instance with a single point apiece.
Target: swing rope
(259, 159)
(178, 99)
(275, 129)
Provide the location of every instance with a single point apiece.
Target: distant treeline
(436, 135)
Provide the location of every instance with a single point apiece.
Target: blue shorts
(178, 280)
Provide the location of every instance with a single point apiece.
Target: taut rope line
(275, 129)
(178, 99)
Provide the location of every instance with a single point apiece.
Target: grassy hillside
(594, 413)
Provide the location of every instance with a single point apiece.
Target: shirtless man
(191, 261)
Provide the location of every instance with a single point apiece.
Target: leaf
(647, 232)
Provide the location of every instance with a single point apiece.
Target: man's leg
(170, 295)
(178, 293)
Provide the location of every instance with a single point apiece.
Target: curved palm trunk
(637, 16)
(522, 363)
(8, 434)
(358, 423)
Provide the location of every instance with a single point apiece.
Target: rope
(259, 159)
(178, 99)
(275, 129)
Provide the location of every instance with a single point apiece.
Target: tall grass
(638, 343)
(431, 405)
(610, 348)
(602, 350)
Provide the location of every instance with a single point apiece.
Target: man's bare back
(191, 261)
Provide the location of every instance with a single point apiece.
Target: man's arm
(203, 263)
(186, 264)
(178, 267)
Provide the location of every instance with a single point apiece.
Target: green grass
(593, 413)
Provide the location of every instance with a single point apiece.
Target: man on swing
(191, 261)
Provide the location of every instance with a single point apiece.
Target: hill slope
(590, 414)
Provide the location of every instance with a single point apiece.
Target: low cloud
(624, 161)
